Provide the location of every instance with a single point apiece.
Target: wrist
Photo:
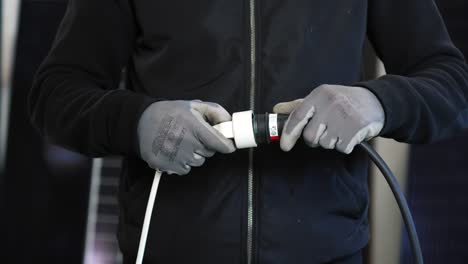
(145, 105)
(379, 103)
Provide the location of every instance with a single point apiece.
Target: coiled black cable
(400, 199)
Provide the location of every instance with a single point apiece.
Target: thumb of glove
(287, 107)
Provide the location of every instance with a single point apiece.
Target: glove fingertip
(348, 150)
(231, 148)
(284, 108)
(278, 109)
(226, 146)
(221, 115)
(286, 145)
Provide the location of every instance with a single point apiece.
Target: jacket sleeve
(75, 101)
(425, 93)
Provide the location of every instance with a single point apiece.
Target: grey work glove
(177, 135)
(333, 117)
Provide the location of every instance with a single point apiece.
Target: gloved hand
(332, 116)
(176, 135)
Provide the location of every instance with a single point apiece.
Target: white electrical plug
(240, 129)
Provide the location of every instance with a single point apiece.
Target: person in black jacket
(190, 63)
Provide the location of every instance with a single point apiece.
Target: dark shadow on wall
(45, 188)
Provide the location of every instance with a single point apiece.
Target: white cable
(149, 212)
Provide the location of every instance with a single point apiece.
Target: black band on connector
(263, 128)
(260, 123)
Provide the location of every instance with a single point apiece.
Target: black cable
(400, 199)
(262, 129)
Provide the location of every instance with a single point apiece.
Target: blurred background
(60, 207)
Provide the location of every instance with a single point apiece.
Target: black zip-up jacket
(305, 206)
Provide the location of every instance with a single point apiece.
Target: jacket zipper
(250, 188)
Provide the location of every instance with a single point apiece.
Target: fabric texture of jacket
(252, 206)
